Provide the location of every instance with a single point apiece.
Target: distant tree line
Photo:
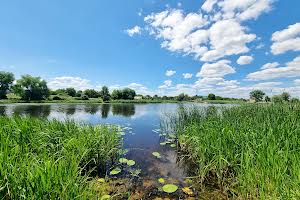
(259, 96)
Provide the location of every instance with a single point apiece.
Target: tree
(31, 88)
(295, 100)
(211, 97)
(267, 99)
(257, 95)
(71, 92)
(6, 80)
(91, 93)
(105, 93)
(79, 93)
(128, 94)
(116, 94)
(277, 99)
(285, 96)
(180, 97)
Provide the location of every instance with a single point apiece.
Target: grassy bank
(248, 151)
(42, 159)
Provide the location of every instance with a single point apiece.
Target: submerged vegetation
(41, 159)
(248, 151)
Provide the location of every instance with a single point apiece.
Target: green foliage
(251, 150)
(71, 92)
(257, 95)
(41, 159)
(6, 81)
(277, 99)
(267, 99)
(91, 93)
(126, 94)
(211, 97)
(285, 96)
(31, 88)
(295, 100)
(104, 93)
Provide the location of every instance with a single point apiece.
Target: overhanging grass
(248, 151)
(41, 159)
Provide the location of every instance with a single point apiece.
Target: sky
(226, 47)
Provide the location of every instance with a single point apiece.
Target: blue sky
(221, 46)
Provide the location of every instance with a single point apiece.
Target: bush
(57, 98)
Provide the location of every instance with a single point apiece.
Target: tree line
(259, 96)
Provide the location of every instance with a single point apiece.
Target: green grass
(41, 159)
(247, 151)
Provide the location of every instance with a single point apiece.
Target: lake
(141, 123)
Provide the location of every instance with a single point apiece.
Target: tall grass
(41, 159)
(248, 151)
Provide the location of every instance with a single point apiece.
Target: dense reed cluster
(248, 151)
(41, 159)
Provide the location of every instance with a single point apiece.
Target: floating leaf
(130, 162)
(170, 188)
(161, 180)
(163, 143)
(123, 160)
(156, 154)
(115, 171)
(173, 145)
(187, 190)
(101, 180)
(136, 172)
(106, 196)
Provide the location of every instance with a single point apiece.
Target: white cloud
(170, 72)
(270, 65)
(69, 81)
(134, 31)
(291, 69)
(265, 85)
(208, 5)
(187, 75)
(244, 60)
(297, 81)
(216, 70)
(286, 40)
(167, 84)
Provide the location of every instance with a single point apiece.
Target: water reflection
(32, 110)
(105, 110)
(126, 110)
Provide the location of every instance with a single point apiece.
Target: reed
(247, 151)
(41, 159)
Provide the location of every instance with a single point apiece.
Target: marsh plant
(41, 159)
(248, 151)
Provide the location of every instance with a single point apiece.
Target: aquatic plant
(41, 159)
(115, 171)
(248, 151)
(156, 154)
(130, 162)
(170, 188)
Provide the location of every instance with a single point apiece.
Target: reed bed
(41, 159)
(247, 151)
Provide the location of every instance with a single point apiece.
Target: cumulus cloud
(69, 81)
(270, 65)
(166, 84)
(244, 60)
(134, 31)
(297, 82)
(291, 69)
(286, 40)
(187, 75)
(170, 72)
(216, 70)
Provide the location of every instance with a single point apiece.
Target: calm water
(140, 139)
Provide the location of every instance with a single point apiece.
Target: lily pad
(156, 154)
(106, 196)
(173, 145)
(123, 160)
(130, 162)
(115, 171)
(162, 143)
(170, 188)
(161, 180)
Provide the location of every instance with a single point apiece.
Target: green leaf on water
(162, 143)
(172, 136)
(130, 162)
(106, 196)
(161, 180)
(115, 171)
(156, 154)
(123, 160)
(170, 188)
(101, 180)
(173, 145)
